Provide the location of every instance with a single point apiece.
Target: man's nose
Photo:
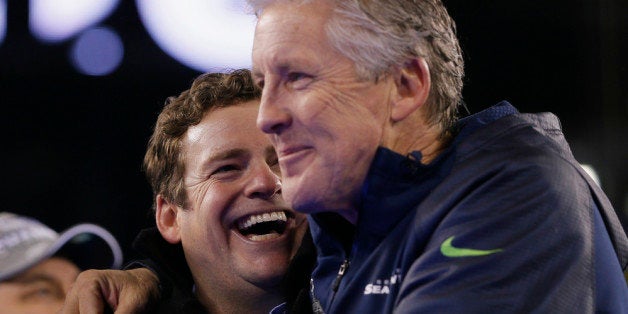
(274, 116)
(264, 183)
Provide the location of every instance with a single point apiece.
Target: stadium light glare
(203, 35)
(97, 51)
(57, 20)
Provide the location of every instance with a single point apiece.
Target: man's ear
(413, 87)
(166, 219)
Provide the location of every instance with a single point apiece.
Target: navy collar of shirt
(395, 184)
(386, 195)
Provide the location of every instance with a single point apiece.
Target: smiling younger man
(218, 202)
(218, 193)
(487, 214)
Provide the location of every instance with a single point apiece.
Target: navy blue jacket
(503, 221)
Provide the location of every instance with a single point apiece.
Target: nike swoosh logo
(451, 251)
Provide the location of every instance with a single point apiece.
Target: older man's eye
(298, 80)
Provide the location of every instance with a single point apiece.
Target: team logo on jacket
(383, 286)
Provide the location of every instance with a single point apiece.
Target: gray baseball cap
(25, 242)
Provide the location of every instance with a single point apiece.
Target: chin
(268, 280)
(301, 202)
(309, 205)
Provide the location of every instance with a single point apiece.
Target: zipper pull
(341, 272)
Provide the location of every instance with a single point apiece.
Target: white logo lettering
(379, 288)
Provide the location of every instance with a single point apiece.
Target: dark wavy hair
(164, 160)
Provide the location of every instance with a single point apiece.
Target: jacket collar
(396, 183)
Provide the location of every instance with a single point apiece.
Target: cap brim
(86, 245)
(84, 249)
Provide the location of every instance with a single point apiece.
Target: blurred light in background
(97, 51)
(3, 19)
(58, 20)
(204, 35)
(592, 173)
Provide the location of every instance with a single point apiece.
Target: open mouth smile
(263, 227)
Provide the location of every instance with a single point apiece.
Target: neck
(404, 137)
(412, 135)
(258, 301)
(429, 149)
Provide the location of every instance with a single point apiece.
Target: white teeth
(263, 237)
(255, 219)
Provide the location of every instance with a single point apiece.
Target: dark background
(72, 145)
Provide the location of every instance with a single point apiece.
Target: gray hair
(379, 35)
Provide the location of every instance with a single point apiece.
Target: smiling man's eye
(298, 80)
(226, 168)
(226, 172)
(295, 76)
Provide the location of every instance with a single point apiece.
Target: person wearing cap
(38, 265)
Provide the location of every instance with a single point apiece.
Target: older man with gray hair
(411, 209)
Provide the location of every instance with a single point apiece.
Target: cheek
(209, 200)
(70, 278)
(211, 209)
(57, 305)
(340, 115)
(309, 109)
(198, 238)
(11, 303)
(196, 194)
(8, 298)
(362, 107)
(355, 129)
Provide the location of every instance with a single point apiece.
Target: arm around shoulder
(124, 291)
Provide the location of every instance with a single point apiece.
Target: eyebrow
(269, 151)
(32, 278)
(282, 67)
(228, 154)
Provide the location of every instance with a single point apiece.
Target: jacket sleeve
(518, 237)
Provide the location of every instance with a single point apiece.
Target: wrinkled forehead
(286, 16)
(288, 28)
